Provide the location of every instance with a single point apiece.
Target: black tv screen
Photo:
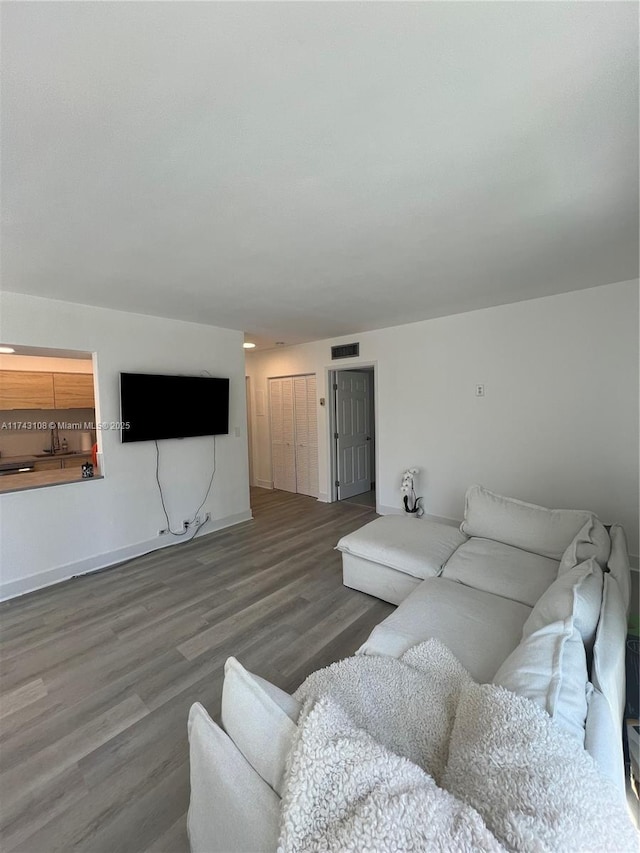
(153, 406)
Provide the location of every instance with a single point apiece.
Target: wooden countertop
(30, 459)
(39, 479)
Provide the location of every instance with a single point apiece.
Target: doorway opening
(353, 438)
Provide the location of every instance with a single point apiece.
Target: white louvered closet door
(306, 435)
(294, 434)
(283, 450)
(312, 416)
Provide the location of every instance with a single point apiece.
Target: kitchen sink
(57, 455)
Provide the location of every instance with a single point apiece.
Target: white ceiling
(304, 170)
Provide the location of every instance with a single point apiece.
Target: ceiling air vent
(345, 351)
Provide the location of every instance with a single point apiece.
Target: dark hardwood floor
(98, 673)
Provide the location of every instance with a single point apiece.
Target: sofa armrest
(231, 809)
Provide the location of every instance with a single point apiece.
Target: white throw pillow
(592, 540)
(575, 595)
(260, 719)
(533, 528)
(550, 668)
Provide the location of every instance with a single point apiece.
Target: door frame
(332, 420)
(248, 390)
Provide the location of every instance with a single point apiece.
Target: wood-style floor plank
(98, 673)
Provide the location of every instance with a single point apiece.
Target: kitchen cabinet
(22, 389)
(25, 389)
(75, 461)
(73, 390)
(47, 464)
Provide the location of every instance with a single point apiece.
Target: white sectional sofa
(530, 598)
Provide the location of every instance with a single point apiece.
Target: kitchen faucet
(55, 440)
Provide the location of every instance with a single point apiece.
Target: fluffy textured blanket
(412, 755)
(407, 705)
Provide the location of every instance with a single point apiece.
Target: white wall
(558, 424)
(52, 533)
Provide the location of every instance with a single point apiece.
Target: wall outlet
(187, 524)
(197, 521)
(479, 390)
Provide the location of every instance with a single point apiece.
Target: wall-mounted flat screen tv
(153, 406)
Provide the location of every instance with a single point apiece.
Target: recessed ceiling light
(247, 345)
(7, 350)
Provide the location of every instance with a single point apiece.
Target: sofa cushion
(608, 673)
(600, 734)
(231, 808)
(592, 540)
(576, 595)
(501, 569)
(260, 719)
(533, 528)
(618, 563)
(415, 546)
(550, 668)
(609, 649)
(479, 628)
(380, 581)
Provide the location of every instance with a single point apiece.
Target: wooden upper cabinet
(25, 389)
(22, 389)
(73, 390)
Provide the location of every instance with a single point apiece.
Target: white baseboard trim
(31, 583)
(388, 510)
(396, 510)
(264, 484)
(323, 497)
